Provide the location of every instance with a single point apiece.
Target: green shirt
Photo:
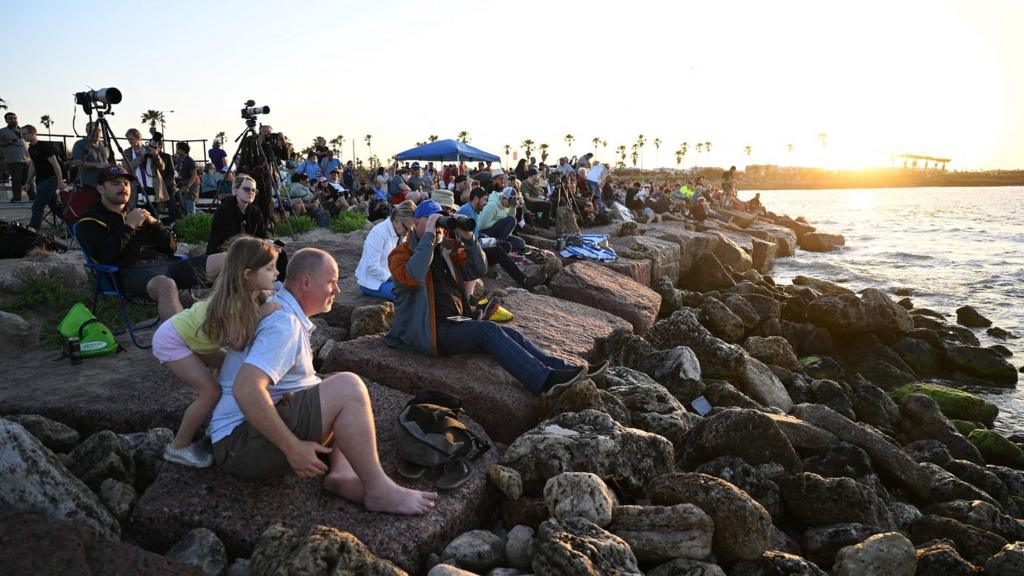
(85, 152)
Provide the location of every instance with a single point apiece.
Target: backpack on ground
(95, 339)
(586, 247)
(430, 436)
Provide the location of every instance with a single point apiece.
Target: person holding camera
(145, 163)
(429, 268)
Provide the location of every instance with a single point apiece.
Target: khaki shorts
(248, 454)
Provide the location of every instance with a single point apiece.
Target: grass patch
(348, 221)
(194, 228)
(299, 225)
(47, 300)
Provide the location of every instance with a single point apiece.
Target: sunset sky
(942, 77)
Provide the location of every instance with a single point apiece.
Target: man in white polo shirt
(275, 414)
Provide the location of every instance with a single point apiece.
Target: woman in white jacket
(372, 273)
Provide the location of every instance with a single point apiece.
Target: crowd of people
(245, 350)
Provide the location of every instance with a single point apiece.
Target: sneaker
(191, 455)
(560, 380)
(595, 370)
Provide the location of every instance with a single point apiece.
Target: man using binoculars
(432, 314)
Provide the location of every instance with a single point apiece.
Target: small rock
(240, 567)
(821, 501)
(747, 434)
(889, 554)
(16, 335)
(449, 570)
(52, 434)
(746, 478)
(1007, 562)
(372, 319)
(820, 544)
(520, 547)
(577, 546)
(507, 480)
(659, 533)
(774, 350)
(905, 303)
(720, 320)
(774, 562)
(942, 558)
(997, 332)
(477, 550)
(103, 455)
(954, 403)
(686, 567)
(968, 316)
(201, 549)
(118, 497)
(281, 550)
(579, 494)
(974, 544)
(996, 449)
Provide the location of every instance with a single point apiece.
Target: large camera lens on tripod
(250, 111)
(103, 96)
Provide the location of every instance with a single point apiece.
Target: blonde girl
(190, 342)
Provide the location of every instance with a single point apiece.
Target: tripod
(252, 160)
(107, 136)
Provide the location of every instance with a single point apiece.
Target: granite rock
(593, 285)
(578, 547)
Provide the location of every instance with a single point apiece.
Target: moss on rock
(996, 449)
(955, 404)
(964, 427)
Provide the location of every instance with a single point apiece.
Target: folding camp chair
(105, 284)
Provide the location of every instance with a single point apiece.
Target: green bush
(347, 221)
(194, 228)
(299, 224)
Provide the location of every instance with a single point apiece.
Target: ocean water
(950, 246)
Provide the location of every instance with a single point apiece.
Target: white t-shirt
(280, 350)
(141, 175)
(373, 269)
(596, 173)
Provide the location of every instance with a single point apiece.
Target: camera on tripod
(100, 99)
(251, 110)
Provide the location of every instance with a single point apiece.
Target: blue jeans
(386, 291)
(189, 204)
(524, 361)
(502, 231)
(46, 195)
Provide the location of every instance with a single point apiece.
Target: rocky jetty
(744, 428)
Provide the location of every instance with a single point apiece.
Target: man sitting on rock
(138, 244)
(276, 416)
(429, 269)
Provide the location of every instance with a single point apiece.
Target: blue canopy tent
(446, 151)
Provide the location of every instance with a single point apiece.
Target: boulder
(832, 394)
(745, 310)
(947, 487)
(674, 426)
(240, 510)
(520, 547)
(717, 317)
(842, 460)
(449, 570)
(889, 554)
(323, 551)
(16, 335)
(819, 501)
(639, 393)
(762, 255)
(968, 316)
(477, 550)
(576, 546)
(663, 255)
(732, 255)
(873, 311)
(660, 533)
(983, 363)
(776, 562)
(919, 354)
(371, 319)
(742, 526)
(34, 481)
(995, 448)
(490, 394)
(923, 420)
(767, 307)
(747, 434)
(19, 275)
(1012, 479)
(783, 238)
(941, 557)
(118, 497)
(585, 395)
(52, 434)
(202, 550)
(985, 480)
(718, 359)
(39, 544)
(803, 435)
(872, 405)
(1009, 561)
(592, 285)
(691, 244)
(677, 368)
(1000, 333)
(637, 270)
(885, 456)
(820, 544)
(572, 494)
(589, 441)
(686, 567)
(721, 394)
(507, 480)
(747, 478)
(760, 383)
(980, 514)
(102, 455)
(823, 286)
(123, 392)
(821, 242)
(774, 350)
(707, 274)
(974, 544)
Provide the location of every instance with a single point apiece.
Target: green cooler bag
(95, 339)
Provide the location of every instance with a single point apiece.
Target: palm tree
(569, 139)
(527, 146)
(3, 104)
(789, 148)
(657, 150)
(707, 149)
(595, 141)
(368, 139)
(220, 136)
(621, 151)
(604, 143)
(153, 117)
(432, 138)
(824, 139)
(640, 141)
(543, 152)
(46, 121)
(633, 156)
(700, 148)
(464, 137)
(336, 143)
(508, 150)
(747, 149)
(683, 149)
(679, 156)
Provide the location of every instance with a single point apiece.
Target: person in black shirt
(238, 214)
(45, 169)
(138, 244)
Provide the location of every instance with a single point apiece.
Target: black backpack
(430, 433)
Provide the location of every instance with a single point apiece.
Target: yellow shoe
(501, 315)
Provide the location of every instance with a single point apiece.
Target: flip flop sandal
(409, 470)
(455, 473)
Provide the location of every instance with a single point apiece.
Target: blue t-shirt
(280, 350)
(217, 156)
(467, 210)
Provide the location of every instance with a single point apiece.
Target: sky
(939, 77)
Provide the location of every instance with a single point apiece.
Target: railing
(65, 148)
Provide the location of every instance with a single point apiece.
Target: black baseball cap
(112, 171)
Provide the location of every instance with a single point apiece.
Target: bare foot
(348, 486)
(395, 499)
